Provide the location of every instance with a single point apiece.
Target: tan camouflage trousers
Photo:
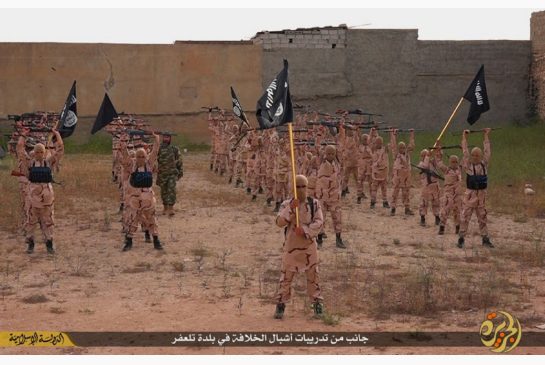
(140, 208)
(334, 208)
(379, 184)
(403, 184)
(270, 187)
(221, 164)
(257, 181)
(364, 175)
(280, 191)
(23, 190)
(240, 170)
(451, 204)
(429, 197)
(347, 173)
(314, 292)
(474, 202)
(43, 217)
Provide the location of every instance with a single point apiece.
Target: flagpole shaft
(448, 122)
(292, 152)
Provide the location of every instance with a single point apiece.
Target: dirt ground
(220, 268)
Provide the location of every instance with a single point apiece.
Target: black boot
(372, 206)
(157, 243)
(49, 246)
(441, 229)
(461, 242)
(393, 211)
(318, 308)
(128, 243)
(339, 243)
(248, 190)
(211, 167)
(385, 204)
(260, 190)
(279, 313)
(487, 243)
(147, 236)
(359, 200)
(437, 220)
(423, 221)
(408, 211)
(457, 229)
(277, 207)
(320, 240)
(269, 200)
(254, 197)
(30, 243)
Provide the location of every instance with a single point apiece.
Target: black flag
(237, 108)
(105, 115)
(476, 94)
(274, 108)
(69, 114)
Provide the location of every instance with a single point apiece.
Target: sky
(168, 25)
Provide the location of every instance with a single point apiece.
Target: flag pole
(292, 152)
(448, 122)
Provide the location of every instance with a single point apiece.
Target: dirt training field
(220, 268)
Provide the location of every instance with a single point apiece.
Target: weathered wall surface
(141, 79)
(413, 83)
(537, 36)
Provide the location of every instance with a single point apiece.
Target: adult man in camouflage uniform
(170, 171)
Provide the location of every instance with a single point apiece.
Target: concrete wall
(537, 36)
(413, 83)
(141, 79)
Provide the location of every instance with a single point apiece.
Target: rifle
(324, 123)
(37, 130)
(285, 130)
(474, 131)
(329, 115)
(211, 108)
(376, 128)
(428, 172)
(14, 117)
(356, 112)
(300, 106)
(408, 130)
(454, 146)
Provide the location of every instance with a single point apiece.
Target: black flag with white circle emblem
(69, 114)
(237, 108)
(106, 114)
(274, 108)
(478, 97)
